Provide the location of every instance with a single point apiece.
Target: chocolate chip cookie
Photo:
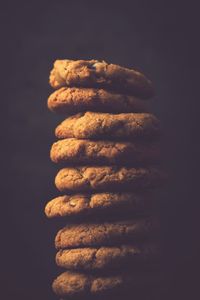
(77, 285)
(98, 258)
(99, 74)
(74, 100)
(94, 204)
(105, 233)
(104, 125)
(104, 178)
(79, 151)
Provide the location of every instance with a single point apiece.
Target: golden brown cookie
(105, 233)
(104, 178)
(74, 100)
(104, 125)
(78, 151)
(98, 258)
(99, 74)
(94, 204)
(73, 284)
(79, 285)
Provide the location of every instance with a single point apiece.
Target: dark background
(156, 37)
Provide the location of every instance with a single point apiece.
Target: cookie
(74, 100)
(99, 74)
(104, 233)
(104, 125)
(76, 285)
(105, 178)
(79, 284)
(98, 258)
(81, 204)
(79, 151)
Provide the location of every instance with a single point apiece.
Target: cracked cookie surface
(79, 151)
(99, 74)
(105, 178)
(81, 204)
(76, 285)
(74, 100)
(104, 125)
(97, 258)
(79, 284)
(105, 233)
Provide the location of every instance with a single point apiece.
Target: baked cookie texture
(109, 148)
(74, 100)
(98, 258)
(104, 125)
(81, 204)
(99, 74)
(105, 233)
(77, 284)
(79, 151)
(104, 178)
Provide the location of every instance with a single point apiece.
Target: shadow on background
(161, 41)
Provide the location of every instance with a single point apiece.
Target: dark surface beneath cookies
(161, 41)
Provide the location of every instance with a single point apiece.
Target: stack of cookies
(108, 149)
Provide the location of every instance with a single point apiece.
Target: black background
(160, 38)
